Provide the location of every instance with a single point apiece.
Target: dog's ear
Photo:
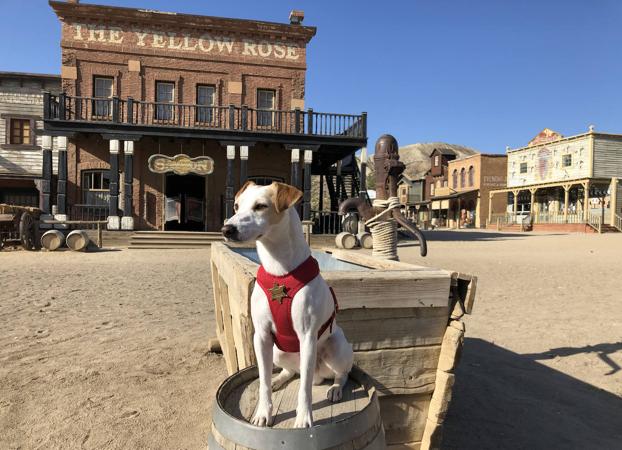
(244, 187)
(285, 196)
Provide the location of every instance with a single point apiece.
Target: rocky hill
(417, 156)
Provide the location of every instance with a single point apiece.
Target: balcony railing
(238, 118)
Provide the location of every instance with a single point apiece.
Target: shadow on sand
(503, 400)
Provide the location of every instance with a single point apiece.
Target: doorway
(184, 203)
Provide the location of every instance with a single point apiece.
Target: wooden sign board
(181, 164)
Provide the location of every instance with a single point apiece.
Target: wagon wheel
(28, 231)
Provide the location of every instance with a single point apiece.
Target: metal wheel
(28, 231)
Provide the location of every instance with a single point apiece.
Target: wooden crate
(402, 320)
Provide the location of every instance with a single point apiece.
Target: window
(523, 167)
(165, 96)
(462, 178)
(436, 160)
(471, 176)
(444, 183)
(20, 132)
(205, 100)
(95, 187)
(454, 178)
(102, 89)
(265, 101)
(432, 189)
(566, 160)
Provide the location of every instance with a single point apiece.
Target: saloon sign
(181, 164)
(204, 43)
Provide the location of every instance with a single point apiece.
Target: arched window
(454, 178)
(462, 177)
(471, 176)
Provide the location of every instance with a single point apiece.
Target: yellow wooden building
(570, 181)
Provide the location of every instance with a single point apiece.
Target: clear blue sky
(482, 73)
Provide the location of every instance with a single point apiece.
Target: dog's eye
(235, 207)
(259, 207)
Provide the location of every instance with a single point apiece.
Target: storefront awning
(453, 195)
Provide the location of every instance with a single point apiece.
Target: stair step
(175, 238)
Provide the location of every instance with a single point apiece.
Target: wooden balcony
(175, 119)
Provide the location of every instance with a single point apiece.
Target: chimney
(296, 17)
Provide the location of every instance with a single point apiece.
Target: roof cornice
(90, 12)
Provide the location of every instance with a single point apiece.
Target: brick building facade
(228, 93)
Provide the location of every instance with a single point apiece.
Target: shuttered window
(95, 187)
(102, 91)
(265, 102)
(20, 132)
(205, 99)
(165, 96)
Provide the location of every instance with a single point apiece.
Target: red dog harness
(280, 292)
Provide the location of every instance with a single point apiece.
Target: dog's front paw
(304, 419)
(263, 417)
(334, 393)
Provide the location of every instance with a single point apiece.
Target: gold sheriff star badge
(277, 292)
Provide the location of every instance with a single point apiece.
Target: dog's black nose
(229, 231)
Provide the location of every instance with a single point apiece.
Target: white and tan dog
(265, 214)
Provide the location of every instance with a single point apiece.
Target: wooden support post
(363, 180)
(490, 195)
(306, 205)
(295, 168)
(229, 182)
(243, 164)
(613, 200)
(586, 200)
(321, 199)
(515, 207)
(127, 221)
(99, 235)
(532, 206)
(566, 198)
(113, 203)
(46, 175)
(61, 190)
(478, 221)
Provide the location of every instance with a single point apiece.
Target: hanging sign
(181, 164)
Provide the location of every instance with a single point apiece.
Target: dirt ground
(109, 349)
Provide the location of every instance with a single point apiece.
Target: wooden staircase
(173, 239)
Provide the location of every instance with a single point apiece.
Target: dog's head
(257, 209)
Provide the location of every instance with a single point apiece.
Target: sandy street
(109, 349)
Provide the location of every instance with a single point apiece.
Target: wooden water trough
(403, 320)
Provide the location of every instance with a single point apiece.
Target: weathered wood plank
(451, 348)
(441, 396)
(368, 261)
(229, 347)
(390, 289)
(378, 328)
(401, 371)
(404, 417)
(405, 446)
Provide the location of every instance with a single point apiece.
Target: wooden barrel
(353, 423)
(78, 240)
(52, 240)
(365, 240)
(345, 240)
